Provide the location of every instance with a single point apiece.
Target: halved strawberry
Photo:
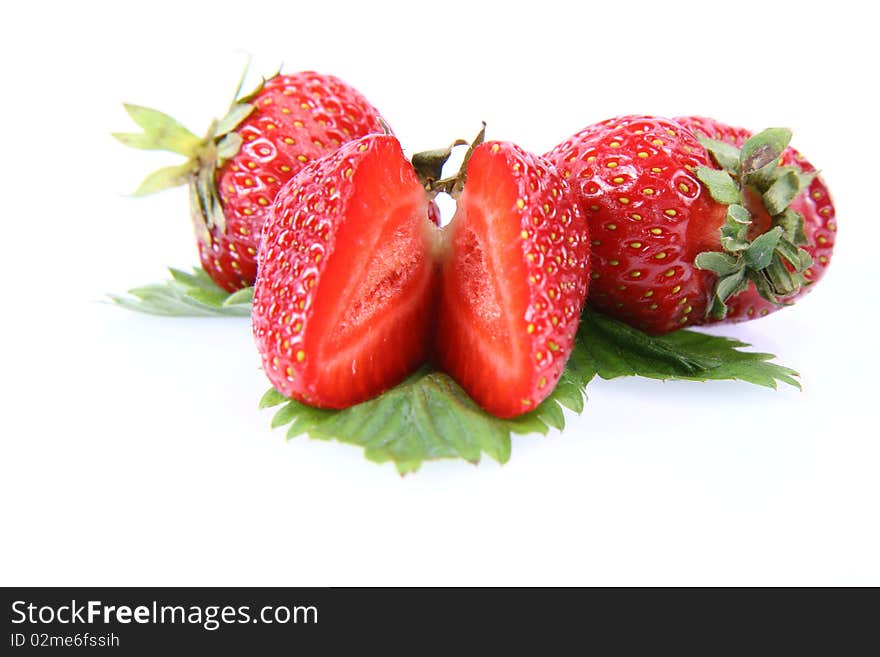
(344, 295)
(354, 271)
(514, 280)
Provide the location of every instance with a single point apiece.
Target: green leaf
(760, 251)
(165, 178)
(429, 416)
(763, 148)
(726, 155)
(687, 355)
(272, 398)
(187, 295)
(242, 297)
(720, 185)
(161, 132)
(781, 192)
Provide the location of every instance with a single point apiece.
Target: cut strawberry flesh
(372, 319)
(484, 293)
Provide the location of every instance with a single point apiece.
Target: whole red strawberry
(234, 172)
(357, 286)
(687, 228)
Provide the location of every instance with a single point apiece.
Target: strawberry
(234, 172)
(814, 205)
(357, 285)
(514, 279)
(343, 301)
(688, 229)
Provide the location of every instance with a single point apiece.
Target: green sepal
(781, 192)
(209, 201)
(165, 178)
(229, 146)
(724, 154)
(782, 281)
(799, 259)
(760, 251)
(429, 164)
(772, 261)
(721, 186)
(792, 223)
(727, 286)
(453, 185)
(762, 284)
(763, 149)
(204, 155)
(161, 132)
(237, 114)
(735, 229)
(720, 264)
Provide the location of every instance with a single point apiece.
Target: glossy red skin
(328, 226)
(641, 210)
(513, 282)
(317, 113)
(814, 205)
(649, 217)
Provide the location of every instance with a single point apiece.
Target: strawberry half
(357, 283)
(234, 172)
(514, 280)
(343, 301)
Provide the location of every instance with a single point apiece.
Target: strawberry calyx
(204, 155)
(429, 167)
(772, 260)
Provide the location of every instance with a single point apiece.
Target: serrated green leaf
(687, 355)
(272, 398)
(726, 155)
(161, 132)
(187, 295)
(240, 298)
(720, 185)
(165, 178)
(429, 416)
(760, 251)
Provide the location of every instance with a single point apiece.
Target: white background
(132, 448)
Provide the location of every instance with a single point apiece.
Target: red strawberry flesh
(513, 282)
(361, 248)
